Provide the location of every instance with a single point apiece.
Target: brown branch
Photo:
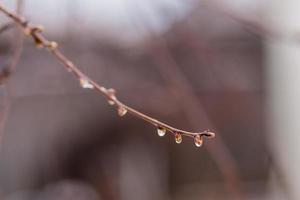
(36, 33)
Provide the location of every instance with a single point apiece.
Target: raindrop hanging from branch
(87, 83)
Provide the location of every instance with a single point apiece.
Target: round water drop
(178, 138)
(122, 111)
(198, 141)
(161, 131)
(111, 102)
(85, 83)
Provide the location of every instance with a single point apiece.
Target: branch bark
(35, 32)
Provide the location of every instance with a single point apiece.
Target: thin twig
(41, 41)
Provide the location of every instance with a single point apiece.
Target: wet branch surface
(35, 32)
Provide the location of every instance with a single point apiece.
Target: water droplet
(198, 141)
(111, 91)
(52, 45)
(38, 28)
(111, 102)
(178, 138)
(122, 111)
(27, 31)
(85, 83)
(161, 131)
(103, 89)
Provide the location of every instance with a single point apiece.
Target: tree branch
(41, 41)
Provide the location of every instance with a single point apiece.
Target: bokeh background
(229, 66)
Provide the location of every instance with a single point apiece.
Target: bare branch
(41, 41)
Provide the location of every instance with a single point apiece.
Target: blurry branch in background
(42, 42)
(191, 105)
(17, 48)
(254, 24)
(6, 27)
(195, 112)
(10, 68)
(254, 27)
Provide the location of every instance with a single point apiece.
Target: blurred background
(229, 66)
